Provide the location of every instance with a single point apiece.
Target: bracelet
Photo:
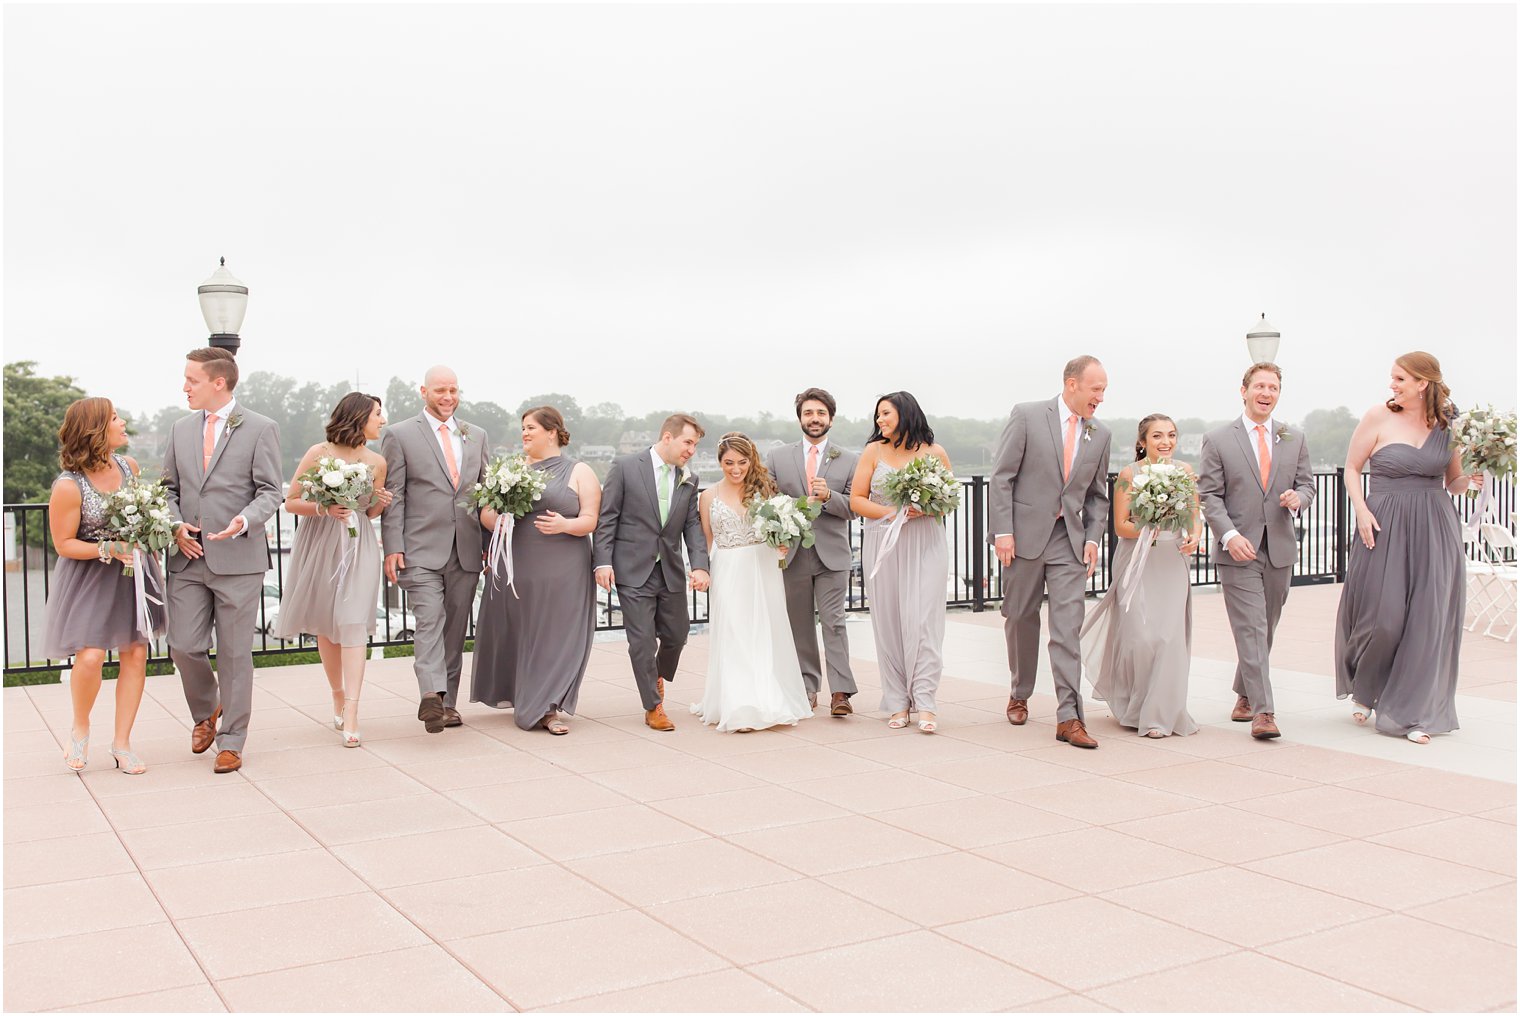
(103, 551)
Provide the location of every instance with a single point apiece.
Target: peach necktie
(1071, 444)
(208, 442)
(812, 466)
(448, 454)
(1263, 455)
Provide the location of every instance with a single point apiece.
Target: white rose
(333, 478)
(130, 509)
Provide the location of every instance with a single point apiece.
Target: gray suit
(1232, 496)
(1051, 521)
(441, 540)
(645, 557)
(818, 577)
(220, 589)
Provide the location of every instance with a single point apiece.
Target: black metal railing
(975, 577)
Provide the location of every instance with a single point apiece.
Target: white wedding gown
(753, 680)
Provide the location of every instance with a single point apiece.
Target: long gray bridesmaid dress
(531, 649)
(1399, 627)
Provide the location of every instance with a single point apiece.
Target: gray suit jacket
(243, 479)
(831, 529)
(628, 532)
(427, 520)
(1027, 492)
(1229, 488)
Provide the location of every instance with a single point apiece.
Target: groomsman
(1253, 479)
(818, 577)
(223, 471)
(1048, 508)
(432, 542)
(649, 504)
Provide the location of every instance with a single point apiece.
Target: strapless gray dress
(1399, 627)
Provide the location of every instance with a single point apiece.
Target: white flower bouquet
(1487, 439)
(784, 522)
(138, 513)
(1162, 496)
(925, 484)
(510, 488)
(334, 482)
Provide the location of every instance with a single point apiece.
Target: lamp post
(1262, 341)
(224, 301)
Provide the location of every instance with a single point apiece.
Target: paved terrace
(835, 865)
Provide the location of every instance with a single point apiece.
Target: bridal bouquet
(784, 522)
(510, 488)
(1487, 440)
(1161, 498)
(334, 482)
(925, 484)
(138, 513)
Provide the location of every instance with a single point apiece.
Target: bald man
(432, 543)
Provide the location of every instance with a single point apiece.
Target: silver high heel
(79, 751)
(128, 762)
(350, 739)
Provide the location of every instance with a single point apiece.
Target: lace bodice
(92, 503)
(730, 528)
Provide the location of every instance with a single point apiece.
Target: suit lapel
(1053, 416)
(190, 448)
(1278, 451)
(650, 483)
(801, 461)
(432, 440)
(1244, 440)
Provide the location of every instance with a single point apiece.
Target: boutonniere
(1282, 434)
(464, 433)
(234, 422)
(831, 454)
(1087, 430)
(686, 480)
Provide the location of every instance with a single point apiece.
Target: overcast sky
(715, 206)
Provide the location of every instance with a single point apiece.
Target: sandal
(128, 762)
(928, 726)
(554, 725)
(79, 752)
(899, 720)
(1153, 732)
(338, 716)
(351, 739)
(1418, 737)
(1360, 714)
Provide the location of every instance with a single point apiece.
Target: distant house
(633, 440)
(598, 453)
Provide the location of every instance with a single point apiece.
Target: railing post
(1340, 523)
(978, 544)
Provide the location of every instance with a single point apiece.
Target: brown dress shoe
(657, 720)
(1018, 711)
(204, 732)
(812, 700)
(451, 717)
(1075, 734)
(1264, 727)
(228, 761)
(839, 705)
(432, 712)
(1242, 711)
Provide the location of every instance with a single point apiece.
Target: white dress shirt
(1251, 426)
(219, 428)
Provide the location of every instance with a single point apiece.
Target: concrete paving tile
(1487, 912)
(608, 831)
(881, 790)
(578, 755)
(315, 790)
(53, 821)
(1375, 874)
(1113, 756)
(481, 770)
(200, 843)
(1500, 815)
(68, 909)
(946, 888)
(1216, 782)
(373, 820)
(1450, 970)
(54, 788)
(1476, 842)
(802, 762)
(1347, 812)
(1061, 941)
(1241, 981)
(207, 805)
(40, 862)
(738, 811)
(460, 742)
(679, 871)
(435, 856)
(167, 775)
(1435, 789)
(1069, 1002)
(910, 752)
(420, 979)
(197, 998)
(459, 908)
(1095, 860)
(723, 991)
(1104, 801)
(978, 821)
(915, 972)
(818, 848)
(752, 925)
(1000, 774)
(558, 795)
(1229, 835)
(297, 934)
(551, 963)
(100, 965)
(244, 883)
(690, 778)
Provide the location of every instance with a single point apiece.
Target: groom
(1048, 508)
(818, 577)
(432, 542)
(649, 503)
(222, 469)
(1253, 478)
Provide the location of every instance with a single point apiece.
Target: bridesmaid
(1399, 625)
(532, 645)
(341, 613)
(907, 596)
(92, 609)
(1138, 659)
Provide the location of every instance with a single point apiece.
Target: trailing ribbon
(350, 554)
(1136, 567)
(894, 530)
(141, 595)
(1482, 508)
(499, 553)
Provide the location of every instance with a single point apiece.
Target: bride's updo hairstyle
(757, 482)
(1145, 425)
(1437, 402)
(550, 419)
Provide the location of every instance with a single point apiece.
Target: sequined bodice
(730, 528)
(92, 503)
(878, 484)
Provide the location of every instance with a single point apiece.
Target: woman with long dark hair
(93, 606)
(906, 588)
(340, 611)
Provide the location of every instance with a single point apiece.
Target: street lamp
(1262, 340)
(224, 301)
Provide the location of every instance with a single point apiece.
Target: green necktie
(665, 472)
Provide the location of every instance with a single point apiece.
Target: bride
(753, 680)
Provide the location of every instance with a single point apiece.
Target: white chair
(1499, 548)
(1483, 584)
